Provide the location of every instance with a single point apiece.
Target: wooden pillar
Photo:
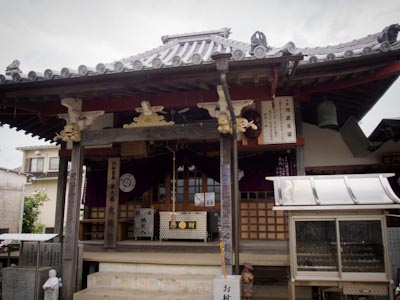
(60, 201)
(112, 201)
(292, 260)
(300, 168)
(70, 245)
(226, 199)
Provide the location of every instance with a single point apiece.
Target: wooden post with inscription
(226, 200)
(70, 246)
(112, 201)
(60, 201)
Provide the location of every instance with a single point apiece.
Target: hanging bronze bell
(326, 114)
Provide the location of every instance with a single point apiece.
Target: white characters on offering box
(51, 286)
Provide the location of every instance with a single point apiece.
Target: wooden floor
(258, 253)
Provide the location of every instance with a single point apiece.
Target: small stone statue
(51, 286)
(397, 292)
(247, 281)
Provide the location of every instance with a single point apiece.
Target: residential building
(12, 185)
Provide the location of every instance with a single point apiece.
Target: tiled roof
(196, 49)
(43, 175)
(40, 147)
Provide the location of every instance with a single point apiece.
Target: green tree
(31, 212)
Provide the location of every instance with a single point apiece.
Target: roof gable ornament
(223, 32)
(258, 44)
(13, 68)
(389, 34)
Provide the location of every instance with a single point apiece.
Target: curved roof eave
(195, 49)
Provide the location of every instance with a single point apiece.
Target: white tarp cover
(28, 237)
(350, 191)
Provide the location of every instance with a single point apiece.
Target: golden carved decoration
(243, 124)
(71, 133)
(148, 117)
(146, 121)
(225, 126)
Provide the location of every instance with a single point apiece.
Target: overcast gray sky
(54, 34)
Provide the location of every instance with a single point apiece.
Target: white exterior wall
(11, 200)
(48, 209)
(325, 147)
(46, 152)
(46, 185)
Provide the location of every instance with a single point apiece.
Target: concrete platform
(115, 294)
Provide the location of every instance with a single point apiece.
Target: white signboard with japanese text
(227, 288)
(278, 121)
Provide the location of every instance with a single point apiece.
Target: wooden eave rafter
(391, 69)
(186, 75)
(338, 73)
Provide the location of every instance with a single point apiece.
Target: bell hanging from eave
(326, 114)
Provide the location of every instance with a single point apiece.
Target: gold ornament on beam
(225, 126)
(148, 117)
(71, 133)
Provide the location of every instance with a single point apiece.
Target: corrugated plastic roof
(349, 191)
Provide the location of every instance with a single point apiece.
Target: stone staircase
(142, 282)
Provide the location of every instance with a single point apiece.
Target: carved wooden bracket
(220, 111)
(76, 120)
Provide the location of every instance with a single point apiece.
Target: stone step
(152, 282)
(118, 294)
(159, 268)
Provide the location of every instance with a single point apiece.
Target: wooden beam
(60, 200)
(188, 132)
(129, 103)
(294, 69)
(93, 152)
(112, 201)
(300, 167)
(274, 82)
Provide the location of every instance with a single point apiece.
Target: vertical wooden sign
(112, 201)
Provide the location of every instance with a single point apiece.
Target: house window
(37, 164)
(53, 163)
